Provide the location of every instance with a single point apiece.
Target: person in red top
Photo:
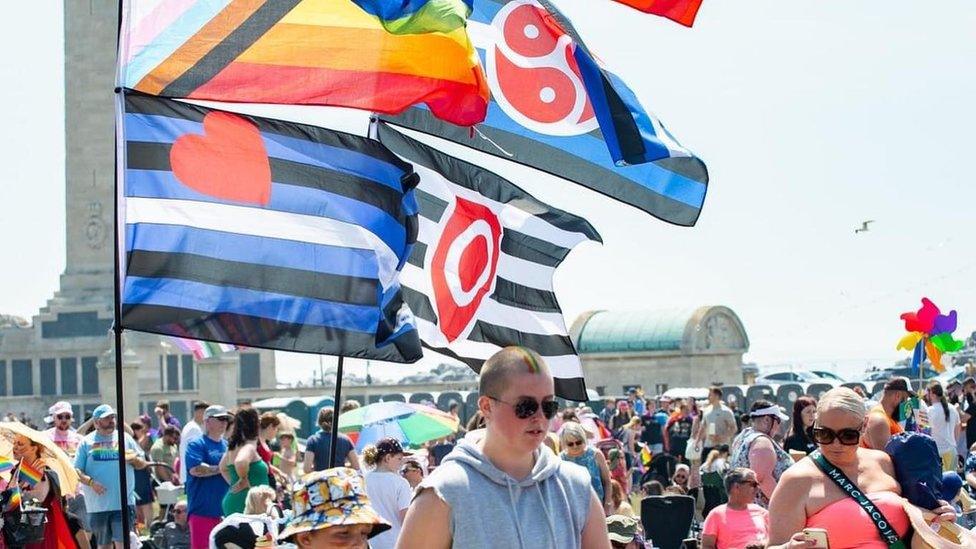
(269, 424)
(882, 419)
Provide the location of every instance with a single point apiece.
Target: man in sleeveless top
(882, 419)
(504, 489)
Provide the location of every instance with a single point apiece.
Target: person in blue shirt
(205, 487)
(97, 462)
(318, 445)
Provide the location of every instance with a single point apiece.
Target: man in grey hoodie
(506, 489)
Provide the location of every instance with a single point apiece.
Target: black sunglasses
(527, 407)
(573, 444)
(847, 437)
(63, 416)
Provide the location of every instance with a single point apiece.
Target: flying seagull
(864, 226)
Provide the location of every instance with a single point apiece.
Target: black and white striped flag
(480, 275)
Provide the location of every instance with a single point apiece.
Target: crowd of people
(524, 471)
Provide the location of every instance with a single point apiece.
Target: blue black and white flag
(480, 276)
(263, 233)
(555, 108)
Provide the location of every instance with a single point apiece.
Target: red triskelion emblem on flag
(464, 264)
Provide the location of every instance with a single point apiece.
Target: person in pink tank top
(739, 523)
(807, 498)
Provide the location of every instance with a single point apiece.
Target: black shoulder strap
(887, 531)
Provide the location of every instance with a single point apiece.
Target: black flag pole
(117, 330)
(335, 414)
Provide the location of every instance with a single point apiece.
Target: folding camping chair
(667, 519)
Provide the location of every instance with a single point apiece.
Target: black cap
(898, 384)
(389, 446)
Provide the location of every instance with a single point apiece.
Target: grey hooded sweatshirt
(489, 508)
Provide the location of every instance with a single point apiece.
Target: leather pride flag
(681, 11)
(258, 232)
(480, 276)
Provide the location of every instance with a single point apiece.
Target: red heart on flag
(228, 161)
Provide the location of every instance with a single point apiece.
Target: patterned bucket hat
(333, 497)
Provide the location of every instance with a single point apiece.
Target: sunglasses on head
(847, 437)
(527, 407)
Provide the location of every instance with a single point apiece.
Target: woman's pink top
(848, 526)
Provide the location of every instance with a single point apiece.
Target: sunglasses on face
(527, 407)
(574, 444)
(847, 437)
(63, 416)
(751, 483)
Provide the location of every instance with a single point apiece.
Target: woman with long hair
(712, 478)
(619, 500)
(388, 491)
(242, 466)
(945, 424)
(804, 414)
(621, 417)
(829, 489)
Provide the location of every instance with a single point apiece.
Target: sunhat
(51, 455)
(333, 497)
(938, 535)
(621, 528)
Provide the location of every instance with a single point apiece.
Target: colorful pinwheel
(930, 332)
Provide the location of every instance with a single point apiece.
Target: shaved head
(506, 363)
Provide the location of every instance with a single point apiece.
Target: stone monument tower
(65, 351)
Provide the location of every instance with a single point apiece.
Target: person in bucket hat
(331, 510)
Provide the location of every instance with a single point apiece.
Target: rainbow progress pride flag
(378, 55)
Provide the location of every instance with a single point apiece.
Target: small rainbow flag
(13, 502)
(645, 454)
(6, 464)
(201, 349)
(31, 473)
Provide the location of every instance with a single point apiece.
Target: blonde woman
(572, 439)
(806, 496)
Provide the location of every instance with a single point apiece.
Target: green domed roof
(616, 331)
(710, 328)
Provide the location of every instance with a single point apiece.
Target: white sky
(811, 116)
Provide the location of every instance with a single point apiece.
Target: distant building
(660, 349)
